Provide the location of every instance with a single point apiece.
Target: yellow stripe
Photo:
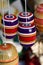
(11, 27)
(10, 34)
(7, 61)
(34, 34)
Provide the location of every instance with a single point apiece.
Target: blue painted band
(25, 31)
(10, 23)
(25, 19)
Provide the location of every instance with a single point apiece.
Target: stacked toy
(10, 26)
(26, 29)
(8, 55)
(39, 18)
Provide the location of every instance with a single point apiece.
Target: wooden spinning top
(8, 55)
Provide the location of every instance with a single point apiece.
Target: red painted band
(38, 21)
(9, 31)
(40, 8)
(3, 47)
(27, 39)
(20, 24)
(39, 12)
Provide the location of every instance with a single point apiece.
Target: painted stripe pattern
(10, 26)
(26, 29)
(39, 18)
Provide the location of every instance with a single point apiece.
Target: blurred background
(15, 7)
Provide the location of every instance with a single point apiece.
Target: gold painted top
(8, 53)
